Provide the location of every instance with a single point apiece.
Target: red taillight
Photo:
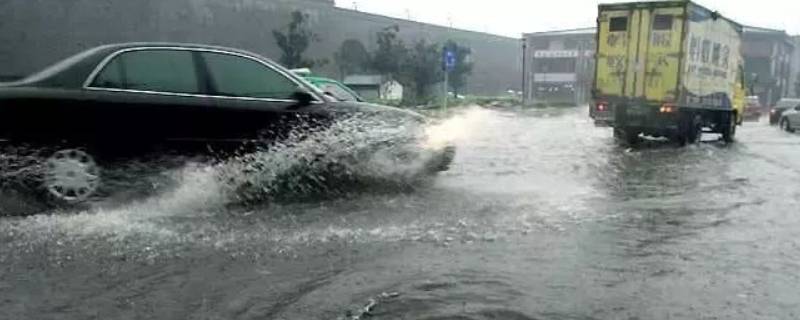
(668, 108)
(602, 106)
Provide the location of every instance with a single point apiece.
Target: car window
(151, 70)
(785, 104)
(111, 77)
(337, 91)
(242, 77)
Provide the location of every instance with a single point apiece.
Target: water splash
(354, 155)
(458, 128)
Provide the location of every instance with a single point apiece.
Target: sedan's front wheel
(71, 176)
(786, 125)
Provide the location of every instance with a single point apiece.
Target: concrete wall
(36, 33)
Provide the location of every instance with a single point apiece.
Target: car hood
(370, 109)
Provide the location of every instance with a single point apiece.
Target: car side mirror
(303, 98)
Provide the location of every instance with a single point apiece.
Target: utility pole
(446, 93)
(524, 69)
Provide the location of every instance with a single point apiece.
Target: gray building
(794, 76)
(768, 63)
(34, 34)
(559, 67)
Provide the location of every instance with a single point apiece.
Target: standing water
(542, 216)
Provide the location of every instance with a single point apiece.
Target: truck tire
(626, 136)
(694, 132)
(729, 129)
(690, 130)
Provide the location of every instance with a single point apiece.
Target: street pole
(446, 80)
(524, 69)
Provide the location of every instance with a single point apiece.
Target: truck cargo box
(658, 59)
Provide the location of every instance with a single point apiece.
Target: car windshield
(385, 159)
(338, 91)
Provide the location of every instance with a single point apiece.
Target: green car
(329, 86)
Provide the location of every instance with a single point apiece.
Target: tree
(352, 58)
(416, 69)
(463, 68)
(295, 40)
(423, 68)
(391, 53)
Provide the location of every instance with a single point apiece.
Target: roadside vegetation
(417, 66)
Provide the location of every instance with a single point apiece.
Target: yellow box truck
(667, 69)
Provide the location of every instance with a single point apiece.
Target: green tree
(391, 54)
(352, 58)
(423, 69)
(295, 40)
(463, 69)
(417, 69)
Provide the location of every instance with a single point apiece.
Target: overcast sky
(513, 17)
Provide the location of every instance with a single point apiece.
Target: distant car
(782, 105)
(752, 110)
(125, 101)
(328, 86)
(790, 119)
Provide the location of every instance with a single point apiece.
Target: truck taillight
(668, 108)
(602, 106)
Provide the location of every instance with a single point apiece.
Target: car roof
(788, 102)
(73, 71)
(133, 45)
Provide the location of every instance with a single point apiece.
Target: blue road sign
(449, 60)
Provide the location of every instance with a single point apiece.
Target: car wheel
(71, 176)
(786, 125)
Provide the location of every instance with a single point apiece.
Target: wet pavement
(542, 216)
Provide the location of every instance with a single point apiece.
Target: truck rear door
(614, 54)
(639, 51)
(660, 54)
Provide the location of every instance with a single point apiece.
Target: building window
(556, 65)
(715, 55)
(618, 24)
(541, 43)
(706, 51)
(694, 49)
(662, 22)
(570, 44)
(726, 54)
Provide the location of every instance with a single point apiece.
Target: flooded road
(542, 216)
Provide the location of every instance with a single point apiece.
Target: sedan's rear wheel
(71, 176)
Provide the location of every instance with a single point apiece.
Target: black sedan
(128, 100)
